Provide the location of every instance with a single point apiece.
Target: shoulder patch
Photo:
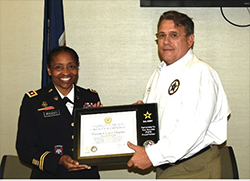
(92, 90)
(32, 93)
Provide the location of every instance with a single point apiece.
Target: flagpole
(53, 32)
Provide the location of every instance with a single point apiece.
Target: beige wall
(115, 42)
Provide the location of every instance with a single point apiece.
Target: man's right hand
(138, 102)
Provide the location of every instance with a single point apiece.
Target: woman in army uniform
(46, 126)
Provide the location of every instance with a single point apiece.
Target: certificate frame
(142, 131)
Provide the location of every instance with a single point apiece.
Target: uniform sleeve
(98, 98)
(93, 96)
(27, 142)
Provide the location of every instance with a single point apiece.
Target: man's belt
(167, 165)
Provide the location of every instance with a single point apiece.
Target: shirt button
(72, 137)
(72, 124)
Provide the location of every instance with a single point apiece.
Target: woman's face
(64, 72)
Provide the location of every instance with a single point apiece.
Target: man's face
(172, 49)
(64, 72)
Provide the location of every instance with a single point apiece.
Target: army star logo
(174, 87)
(147, 115)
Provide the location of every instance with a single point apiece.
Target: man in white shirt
(192, 107)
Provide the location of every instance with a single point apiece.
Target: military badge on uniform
(44, 104)
(87, 105)
(45, 107)
(58, 150)
(174, 86)
(32, 93)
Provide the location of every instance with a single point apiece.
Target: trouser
(206, 165)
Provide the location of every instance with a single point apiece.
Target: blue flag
(53, 33)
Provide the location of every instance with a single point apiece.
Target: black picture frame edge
(109, 159)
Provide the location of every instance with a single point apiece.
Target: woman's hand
(72, 165)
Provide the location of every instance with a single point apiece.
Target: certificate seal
(108, 120)
(93, 148)
(148, 143)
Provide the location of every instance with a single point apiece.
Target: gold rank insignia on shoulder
(32, 93)
(92, 90)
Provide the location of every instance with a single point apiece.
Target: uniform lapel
(57, 101)
(78, 99)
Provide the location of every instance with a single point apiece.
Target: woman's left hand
(72, 165)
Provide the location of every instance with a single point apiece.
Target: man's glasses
(171, 35)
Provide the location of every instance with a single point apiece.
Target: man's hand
(138, 102)
(98, 104)
(72, 165)
(140, 158)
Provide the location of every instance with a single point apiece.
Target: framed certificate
(101, 134)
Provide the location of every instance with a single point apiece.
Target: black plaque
(106, 125)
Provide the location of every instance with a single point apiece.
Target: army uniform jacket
(45, 132)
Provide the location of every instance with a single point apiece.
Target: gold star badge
(174, 87)
(147, 115)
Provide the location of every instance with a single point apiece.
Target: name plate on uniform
(101, 134)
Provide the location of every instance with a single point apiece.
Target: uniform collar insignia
(56, 98)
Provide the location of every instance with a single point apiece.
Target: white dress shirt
(193, 117)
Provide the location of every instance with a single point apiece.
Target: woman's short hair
(54, 52)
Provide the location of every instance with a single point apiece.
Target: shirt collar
(70, 94)
(178, 64)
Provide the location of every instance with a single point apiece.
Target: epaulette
(92, 90)
(31, 93)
